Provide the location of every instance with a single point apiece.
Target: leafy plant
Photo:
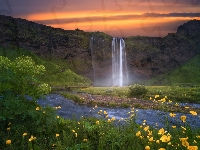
(136, 90)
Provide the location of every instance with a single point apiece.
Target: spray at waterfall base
(114, 68)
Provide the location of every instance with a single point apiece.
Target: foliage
(136, 90)
(17, 77)
(58, 71)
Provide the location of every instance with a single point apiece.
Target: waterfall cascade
(119, 64)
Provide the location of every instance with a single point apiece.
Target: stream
(69, 110)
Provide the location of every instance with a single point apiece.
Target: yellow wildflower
(183, 118)
(113, 119)
(192, 148)
(9, 123)
(161, 149)
(146, 128)
(147, 148)
(58, 117)
(8, 142)
(173, 127)
(149, 133)
(150, 98)
(198, 136)
(85, 140)
(193, 113)
(37, 108)
(172, 115)
(165, 138)
(183, 128)
(76, 134)
(186, 107)
(194, 141)
(138, 133)
(97, 122)
(24, 134)
(57, 135)
(73, 130)
(105, 113)
(109, 120)
(151, 139)
(169, 143)
(158, 141)
(8, 128)
(32, 138)
(161, 131)
(170, 101)
(156, 96)
(176, 104)
(59, 107)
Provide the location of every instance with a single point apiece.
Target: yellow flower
(113, 119)
(8, 128)
(37, 108)
(192, 147)
(73, 130)
(161, 131)
(97, 122)
(85, 140)
(169, 143)
(32, 138)
(150, 98)
(151, 139)
(8, 142)
(109, 120)
(156, 96)
(172, 115)
(158, 141)
(76, 134)
(194, 141)
(173, 127)
(105, 113)
(24, 134)
(161, 149)
(186, 107)
(198, 136)
(177, 104)
(183, 118)
(183, 128)
(58, 117)
(170, 101)
(193, 113)
(59, 107)
(149, 133)
(185, 143)
(165, 138)
(9, 123)
(147, 148)
(57, 135)
(138, 133)
(146, 128)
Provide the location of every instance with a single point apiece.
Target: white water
(119, 64)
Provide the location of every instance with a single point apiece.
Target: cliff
(147, 57)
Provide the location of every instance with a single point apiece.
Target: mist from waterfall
(119, 64)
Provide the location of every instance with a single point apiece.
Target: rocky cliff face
(146, 56)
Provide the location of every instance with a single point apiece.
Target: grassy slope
(186, 74)
(57, 73)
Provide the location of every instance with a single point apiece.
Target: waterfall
(93, 59)
(119, 64)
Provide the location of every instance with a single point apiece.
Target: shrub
(137, 90)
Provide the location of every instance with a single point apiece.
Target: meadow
(24, 124)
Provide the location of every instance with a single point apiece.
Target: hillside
(185, 75)
(147, 57)
(58, 72)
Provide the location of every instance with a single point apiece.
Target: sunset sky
(118, 18)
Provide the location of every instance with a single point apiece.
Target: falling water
(92, 54)
(119, 64)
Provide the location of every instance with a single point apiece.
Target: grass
(58, 72)
(187, 74)
(98, 133)
(188, 94)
